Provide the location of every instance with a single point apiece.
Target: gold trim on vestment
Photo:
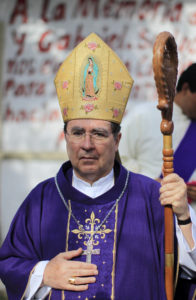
(68, 223)
(63, 295)
(67, 238)
(194, 295)
(114, 252)
(114, 247)
(177, 270)
(28, 281)
(50, 294)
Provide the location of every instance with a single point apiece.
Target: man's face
(189, 104)
(91, 148)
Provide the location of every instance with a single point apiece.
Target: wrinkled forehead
(89, 124)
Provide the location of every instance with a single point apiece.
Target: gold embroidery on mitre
(93, 82)
(90, 78)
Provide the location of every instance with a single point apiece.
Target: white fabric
(187, 256)
(141, 143)
(35, 283)
(99, 187)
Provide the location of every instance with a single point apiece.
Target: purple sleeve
(21, 251)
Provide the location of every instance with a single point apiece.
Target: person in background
(141, 144)
(95, 230)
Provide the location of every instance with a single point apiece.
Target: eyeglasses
(97, 137)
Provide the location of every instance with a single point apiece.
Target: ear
(65, 136)
(185, 87)
(118, 140)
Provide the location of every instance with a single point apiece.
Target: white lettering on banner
(39, 35)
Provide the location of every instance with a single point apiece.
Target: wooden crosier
(165, 64)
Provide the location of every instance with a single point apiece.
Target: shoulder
(145, 192)
(45, 192)
(146, 188)
(37, 195)
(140, 181)
(45, 184)
(144, 182)
(29, 214)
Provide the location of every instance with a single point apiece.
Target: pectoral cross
(89, 251)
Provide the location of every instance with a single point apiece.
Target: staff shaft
(168, 214)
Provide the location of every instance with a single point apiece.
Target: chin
(88, 165)
(88, 170)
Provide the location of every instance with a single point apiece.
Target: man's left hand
(173, 192)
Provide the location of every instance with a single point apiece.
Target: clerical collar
(98, 187)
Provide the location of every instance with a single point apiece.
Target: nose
(87, 142)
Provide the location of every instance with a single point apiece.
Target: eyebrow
(76, 128)
(100, 129)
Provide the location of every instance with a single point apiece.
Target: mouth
(88, 158)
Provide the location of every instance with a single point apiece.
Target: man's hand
(60, 269)
(173, 191)
(191, 192)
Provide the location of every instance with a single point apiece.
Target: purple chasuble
(185, 154)
(131, 241)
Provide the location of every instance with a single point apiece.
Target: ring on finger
(72, 280)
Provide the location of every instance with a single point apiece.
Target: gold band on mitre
(93, 83)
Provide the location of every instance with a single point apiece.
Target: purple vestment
(185, 154)
(131, 241)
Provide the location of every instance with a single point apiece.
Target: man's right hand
(61, 268)
(191, 192)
